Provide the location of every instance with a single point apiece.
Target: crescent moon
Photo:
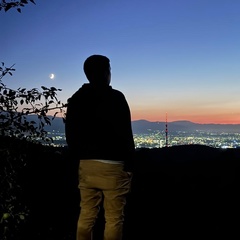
(51, 76)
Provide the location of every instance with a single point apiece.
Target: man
(99, 133)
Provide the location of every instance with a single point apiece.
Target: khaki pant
(97, 181)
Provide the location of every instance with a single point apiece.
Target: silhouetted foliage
(6, 5)
(17, 134)
(13, 209)
(16, 105)
(13, 123)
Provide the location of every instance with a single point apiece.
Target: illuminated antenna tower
(166, 131)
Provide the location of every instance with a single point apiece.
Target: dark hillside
(187, 192)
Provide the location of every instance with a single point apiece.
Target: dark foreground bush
(38, 191)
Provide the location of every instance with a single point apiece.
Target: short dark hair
(95, 68)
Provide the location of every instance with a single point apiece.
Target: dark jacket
(98, 125)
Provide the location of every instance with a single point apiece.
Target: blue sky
(176, 56)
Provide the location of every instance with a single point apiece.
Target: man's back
(99, 124)
(99, 134)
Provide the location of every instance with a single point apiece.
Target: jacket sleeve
(128, 137)
(70, 125)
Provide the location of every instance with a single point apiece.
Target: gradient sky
(180, 57)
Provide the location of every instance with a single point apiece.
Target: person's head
(97, 70)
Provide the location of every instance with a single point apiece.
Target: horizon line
(164, 121)
(184, 121)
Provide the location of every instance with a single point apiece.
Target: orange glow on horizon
(195, 119)
(176, 115)
(200, 121)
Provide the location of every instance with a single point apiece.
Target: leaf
(53, 89)
(47, 121)
(22, 90)
(54, 115)
(44, 88)
(7, 8)
(19, 10)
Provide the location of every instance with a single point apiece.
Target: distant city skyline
(152, 134)
(174, 57)
(145, 126)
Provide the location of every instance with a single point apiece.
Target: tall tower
(166, 131)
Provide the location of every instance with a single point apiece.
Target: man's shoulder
(82, 91)
(117, 93)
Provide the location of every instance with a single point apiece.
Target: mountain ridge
(143, 126)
